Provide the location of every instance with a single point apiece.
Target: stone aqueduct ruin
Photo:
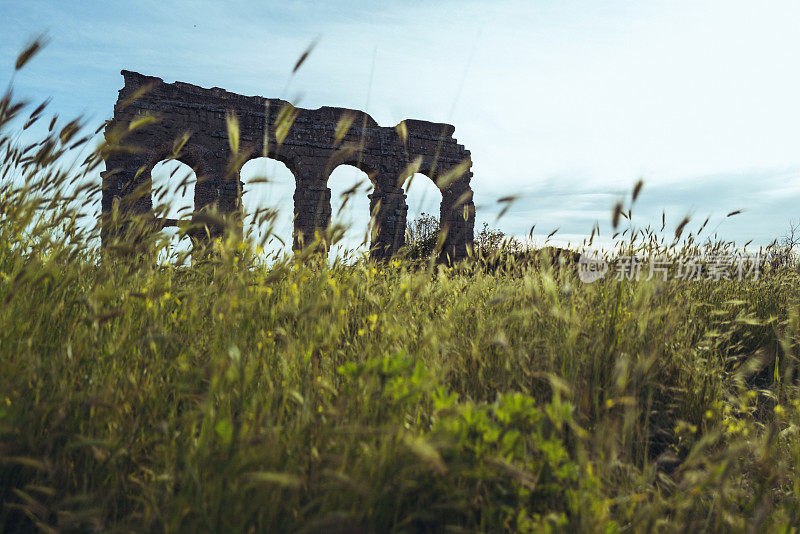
(311, 143)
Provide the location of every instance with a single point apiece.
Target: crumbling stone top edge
(416, 127)
(133, 75)
(439, 129)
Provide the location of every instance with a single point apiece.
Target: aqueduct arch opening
(154, 120)
(350, 216)
(173, 194)
(268, 188)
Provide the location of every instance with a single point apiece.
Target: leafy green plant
(421, 237)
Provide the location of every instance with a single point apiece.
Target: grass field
(231, 396)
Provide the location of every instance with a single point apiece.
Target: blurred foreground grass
(302, 396)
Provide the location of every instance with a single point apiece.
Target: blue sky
(563, 103)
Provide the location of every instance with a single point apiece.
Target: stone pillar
(126, 194)
(230, 191)
(312, 207)
(457, 219)
(207, 188)
(215, 193)
(389, 211)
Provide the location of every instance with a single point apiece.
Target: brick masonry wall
(311, 143)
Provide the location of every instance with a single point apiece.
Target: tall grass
(303, 396)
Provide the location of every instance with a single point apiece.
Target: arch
(350, 209)
(365, 163)
(200, 159)
(191, 154)
(172, 193)
(456, 210)
(172, 189)
(275, 153)
(268, 187)
(424, 200)
(422, 196)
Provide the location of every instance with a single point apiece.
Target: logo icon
(591, 268)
